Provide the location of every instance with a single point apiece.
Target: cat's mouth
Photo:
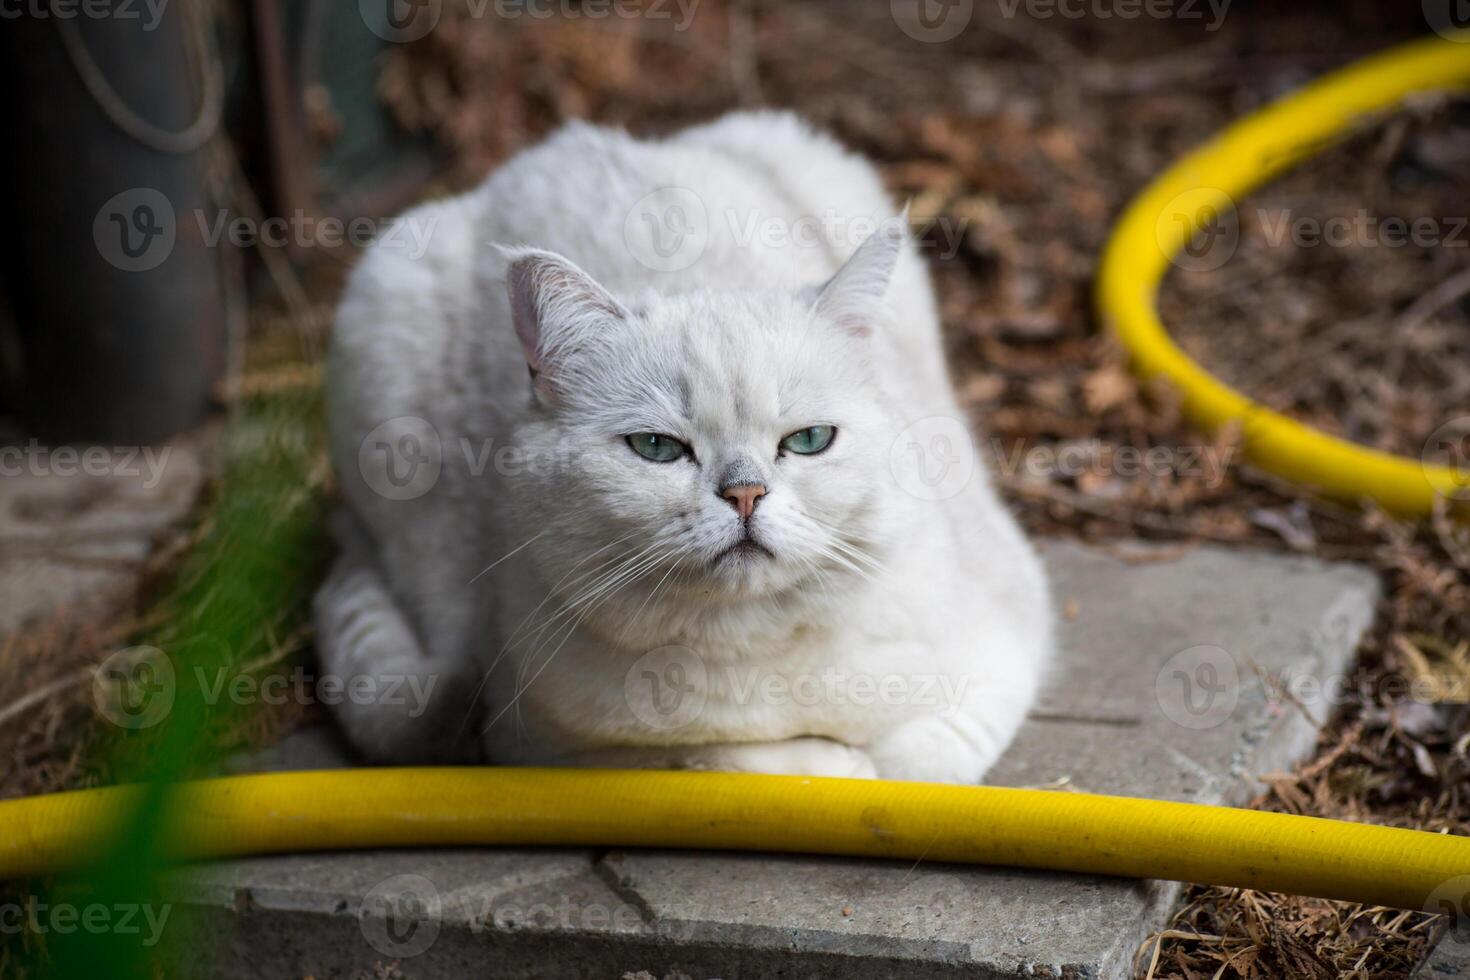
(747, 548)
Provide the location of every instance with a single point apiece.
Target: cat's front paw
(935, 749)
(806, 756)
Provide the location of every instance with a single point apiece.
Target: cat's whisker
(838, 552)
(571, 629)
(823, 580)
(674, 566)
(486, 673)
(516, 550)
(628, 573)
(849, 547)
(838, 558)
(555, 589)
(619, 577)
(623, 571)
(858, 555)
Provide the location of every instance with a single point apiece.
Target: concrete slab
(1165, 689)
(1450, 958)
(75, 521)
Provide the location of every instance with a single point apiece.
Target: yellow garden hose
(1166, 216)
(359, 808)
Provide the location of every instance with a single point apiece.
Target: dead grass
(52, 737)
(48, 726)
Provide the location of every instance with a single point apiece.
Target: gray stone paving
(77, 521)
(1450, 959)
(1160, 694)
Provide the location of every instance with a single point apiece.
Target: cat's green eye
(657, 447)
(812, 439)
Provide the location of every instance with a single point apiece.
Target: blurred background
(186, 184)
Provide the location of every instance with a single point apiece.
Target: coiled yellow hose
(360, 808)
(1166, 216)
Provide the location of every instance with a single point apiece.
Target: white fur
(537, 659)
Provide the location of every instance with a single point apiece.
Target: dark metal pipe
(115, 288)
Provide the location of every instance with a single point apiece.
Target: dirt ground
(1018, 142)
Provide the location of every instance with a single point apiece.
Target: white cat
(731, 519)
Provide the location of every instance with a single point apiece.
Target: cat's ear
(853, 297)
(558, 311)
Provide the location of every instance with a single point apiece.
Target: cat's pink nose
(743, 497)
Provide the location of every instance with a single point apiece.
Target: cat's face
(736, 440)
(725, 444)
